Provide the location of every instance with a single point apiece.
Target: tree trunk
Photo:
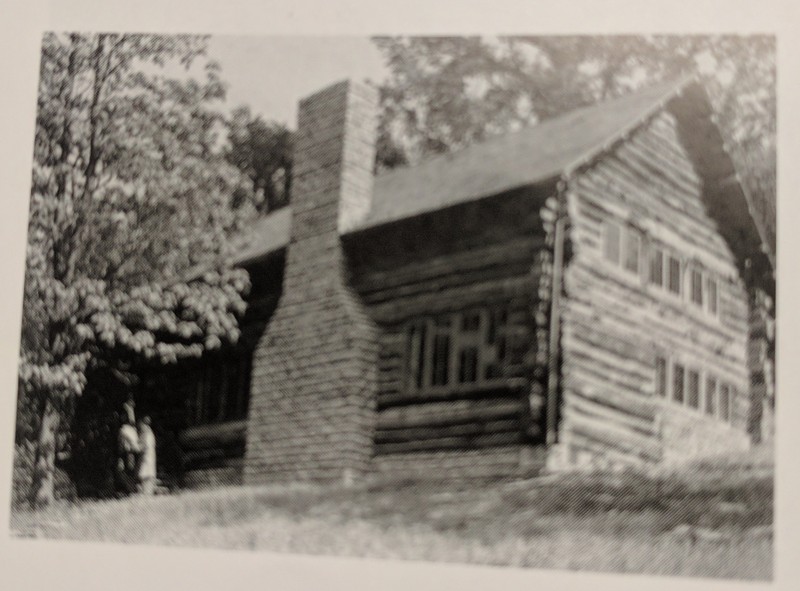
(43, 486)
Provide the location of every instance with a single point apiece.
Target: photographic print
(500, 300)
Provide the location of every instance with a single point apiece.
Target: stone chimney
(313, 389)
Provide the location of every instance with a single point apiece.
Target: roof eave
(595, 153)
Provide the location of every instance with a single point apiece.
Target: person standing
(128, 450)
(147, 464)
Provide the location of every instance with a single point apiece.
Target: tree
(263, 152)
(129, 195)
(446, 92)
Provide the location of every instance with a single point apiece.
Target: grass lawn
(711, 520)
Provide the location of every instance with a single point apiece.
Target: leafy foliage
(263, 152)
(129, 198)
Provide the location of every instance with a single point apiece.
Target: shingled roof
(531, 156)
(265, 235)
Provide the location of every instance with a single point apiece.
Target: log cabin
(577, 294)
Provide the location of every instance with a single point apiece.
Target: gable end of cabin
(654, 323)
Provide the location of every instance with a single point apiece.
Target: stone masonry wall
(311, 413)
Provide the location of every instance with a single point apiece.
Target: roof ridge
(533, 155)
(673, 86)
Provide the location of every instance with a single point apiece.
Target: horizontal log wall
(226, 473)
(615, 323)
(509, 461)
(458, 262)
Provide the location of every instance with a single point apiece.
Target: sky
(271, 74)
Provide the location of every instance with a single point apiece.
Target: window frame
(710, 395)
(712, 310)
(693, 395)
(660, 266)
(660, 252)
(221, 393)
(695, 284)
(716, 398)
(615, 229)
(630, 236)
(724, 397)
(678, 369)
(662, 381)
(678, 275)
(485, 342)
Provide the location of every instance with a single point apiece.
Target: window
(469, 342)
(495, 343)
(623, 246)
(696, 287)
(661, 377)
(468, 365)
(441, 353)
(633, 245)
(712, 303)
(223, 389)
(702, 290)
(674, 275)
(716, 400)
(612, 243)
(455, 349)
(471, 322)
(694, 389)
(725, 402)
(711, 396)
(678, 376)
(416, 353)
(632, 250)
(657, 267)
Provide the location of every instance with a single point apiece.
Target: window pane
(501, 349)
(471, 322)
(212, 391)
(677, 383)
(657, 267)
(199, 398)
(632, 246)
(468, 365)
(674, 275)
(422, 354)
(502, 318)
(661, 377)
(416, 354)
(491, 329)
(697, 287)
(442, 321)
(612, 243)
(224, 391)
(238, 391)
(694, 389)
(492, 371)
(441, 359)
(711, 396)
(711, 294)
(724, 402)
